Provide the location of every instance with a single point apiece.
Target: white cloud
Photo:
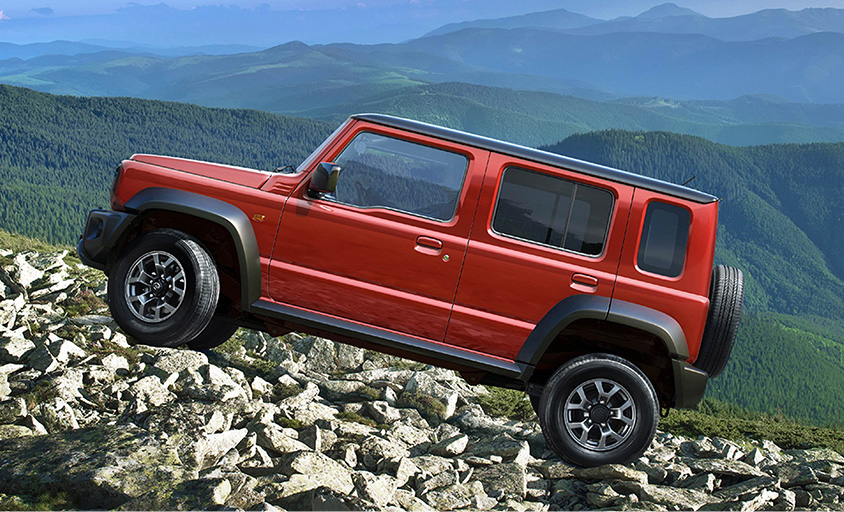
(3, 16)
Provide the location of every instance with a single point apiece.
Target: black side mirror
(324, 179)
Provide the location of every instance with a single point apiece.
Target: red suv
(589, 287)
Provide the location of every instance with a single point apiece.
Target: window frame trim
(460, 192)
(497, 201)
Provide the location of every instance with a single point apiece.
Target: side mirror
(324, 179)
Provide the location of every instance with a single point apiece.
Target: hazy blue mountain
(29, 51)
(557, 19)
(670, 19)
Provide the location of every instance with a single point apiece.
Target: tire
(726, 297)
(217, 332)
(576, 437)
(163, 289)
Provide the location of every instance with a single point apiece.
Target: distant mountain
(29, 51)
(559, 19)
(670, 19)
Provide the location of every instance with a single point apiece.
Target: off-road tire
(726, 297)
(201, 289)
(580, 373)
(217, 332)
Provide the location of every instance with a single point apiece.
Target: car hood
(239, 175)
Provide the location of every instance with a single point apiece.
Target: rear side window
(552, 211)
(378, 171)
(663, 246)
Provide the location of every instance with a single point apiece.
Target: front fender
(220, 212)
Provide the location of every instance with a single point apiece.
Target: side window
(552, 211)
(381, 171)
(663, 246)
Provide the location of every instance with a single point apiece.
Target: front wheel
(598, 409)
(163, 289)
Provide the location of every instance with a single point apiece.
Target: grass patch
(713, 418)
(44, 501)
(290, 423)
(508, 403)
(429, 407)
(82, 303)
(369, 393)
(357, 418)
(20, 243)
(404, 364)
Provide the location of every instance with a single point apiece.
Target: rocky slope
(302, 423)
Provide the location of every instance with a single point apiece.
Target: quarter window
(552, 211)
(378, 171)
(664, 236)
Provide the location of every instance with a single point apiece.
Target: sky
(606, 9)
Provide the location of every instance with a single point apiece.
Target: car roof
(535, 155)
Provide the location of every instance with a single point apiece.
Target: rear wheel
(163, 289)
(215, 334)
(726, 297)
(598, 409)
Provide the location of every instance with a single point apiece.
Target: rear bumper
(689, 384)
(103, 231)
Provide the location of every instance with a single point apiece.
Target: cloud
(46, 11)
(3, 16)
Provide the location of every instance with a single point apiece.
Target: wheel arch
(229, 217)
(650, 339)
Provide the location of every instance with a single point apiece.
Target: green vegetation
(508, 403)
(290, 423)
(45, 501)
(429, 407)
(357, 418)
(713, 418)
(58, 153)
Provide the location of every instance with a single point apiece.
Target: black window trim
(460, 192)
(641, 234)
(568, 218)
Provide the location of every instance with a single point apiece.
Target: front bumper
(103, 231)
(689, 384)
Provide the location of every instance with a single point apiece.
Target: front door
(387, 246)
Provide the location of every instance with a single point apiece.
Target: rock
(451, 447)
(42, 359)
(14, 348)
(664, 495)
(422, 384)
(14, 432)
(601, 495)
(340, 389)
(150, 391)
(611, 472)
(702, 482)
(210, 448)
(502, 445)
(34, 425)
(115, 362)
(100, 467)
(12, 410)
(417, 439)
(25, 274)
(754, 457)
(656, 473)
(56, 416)
(260, 387)
(795, 475)
(348, 357)
(321, 357)
(376, 489)
(748, 487)
(555, 469)
(426, 483)
(382, 412)
(200, 494)
(273, 438)
(450, 498)
(408, 501)
(99, 333)
(786, 500)
(753, 503)
(5, 388)
(92, 320)
(509, 478)
(64, 351)
(723, 467)
(375, 449)
(309, 470)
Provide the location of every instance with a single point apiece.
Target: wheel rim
(600, 414)
(155, 286)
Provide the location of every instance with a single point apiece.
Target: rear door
(386, 248)
(541, 234)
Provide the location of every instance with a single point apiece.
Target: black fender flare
(578, 307)
(220, 212)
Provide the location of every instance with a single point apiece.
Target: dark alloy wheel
(215, 334)
(163, 288)
(598, 409)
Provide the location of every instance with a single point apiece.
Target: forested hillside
(781, 223)
(57, 153)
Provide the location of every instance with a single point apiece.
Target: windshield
(308, 161)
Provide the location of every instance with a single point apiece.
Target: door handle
(430, 243)
(584, 279)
